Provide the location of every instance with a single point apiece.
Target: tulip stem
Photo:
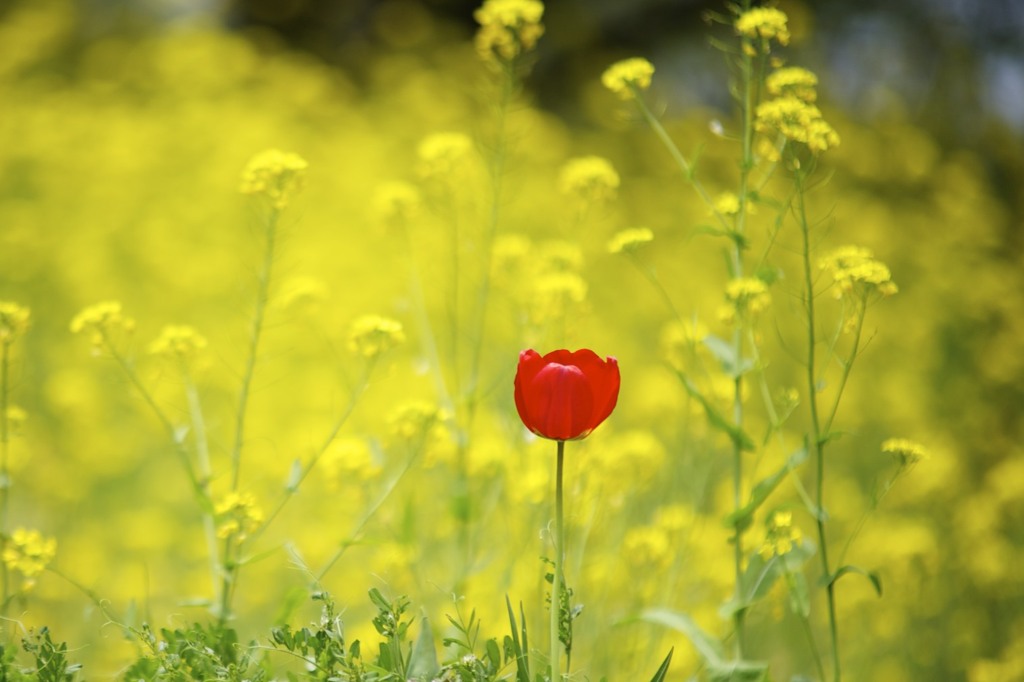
(556, 579)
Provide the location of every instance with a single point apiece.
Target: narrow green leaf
(708, 647)
(518, 647)
(876, 580)
(294, 476)
(663, 670)
(423, 660)
(741, 518)
(738, 436)
(725, 353)
(799, 595)
(738, 671)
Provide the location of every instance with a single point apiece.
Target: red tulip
(565, 395)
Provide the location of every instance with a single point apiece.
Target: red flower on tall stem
(565, 395)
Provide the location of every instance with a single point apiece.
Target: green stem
(255, 332)
(817, 442)
(229, 580)
(847, 364)
(205, 475)
(677, 156)
(556, 582)
(497, 172)
(5, 479)
(176, 438)
(293, 486)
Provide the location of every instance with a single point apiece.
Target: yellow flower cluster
(592, 179)
(797, 121)
(28, 552)
(793, 81)
(413, 419)
(906, 452)
(627, 77)
(680, 342)
(276, 175)
(727, 203)
(14, 321)
(101, 320)
(629, 241)
(301, 293)
(349, 460)
(16, 417)
(746, 296)
(237, 516)
(395, 202)
(857, 273)
(781, 536)
(508, 28)
(442, 155)
(765, 23)
(178, 342)
(373, 335)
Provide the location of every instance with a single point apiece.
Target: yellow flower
(681, 341)
(395, 203)
(629, 241)
(301, 293)
(508, 28)
(765, 23)
(237, 516)
(373, 335)
(442, 155)
(648, 547)
(16, 417)
(906, 452)
(28, 552)
(746, 296)
(797, 121)
(14, 321)
(348, 462)
(102, 320)
(857, 273)
(414, 418)
(178, 341)
(590, 178)
(727, 203)
(274, 174)
(781, 536)
(793, 81)
(625, 78)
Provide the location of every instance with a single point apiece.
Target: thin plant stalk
(818, 436)
(293, 486)
(556, 581)
(497, 173)
(5, 478)
(175, 435)
(255, 333)
(195, 411)
(230, 568)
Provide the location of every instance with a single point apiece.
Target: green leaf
(294, 476)
(663, 670)
(873, 576)
(799, 595)
(741, 518)
(738, 671)
(423, 660)
(725, 353)
(709, 648)
(519, 647)
(736, 434)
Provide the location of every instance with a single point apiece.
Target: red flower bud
(565, 395)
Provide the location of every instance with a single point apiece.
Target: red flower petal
(565, 395)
